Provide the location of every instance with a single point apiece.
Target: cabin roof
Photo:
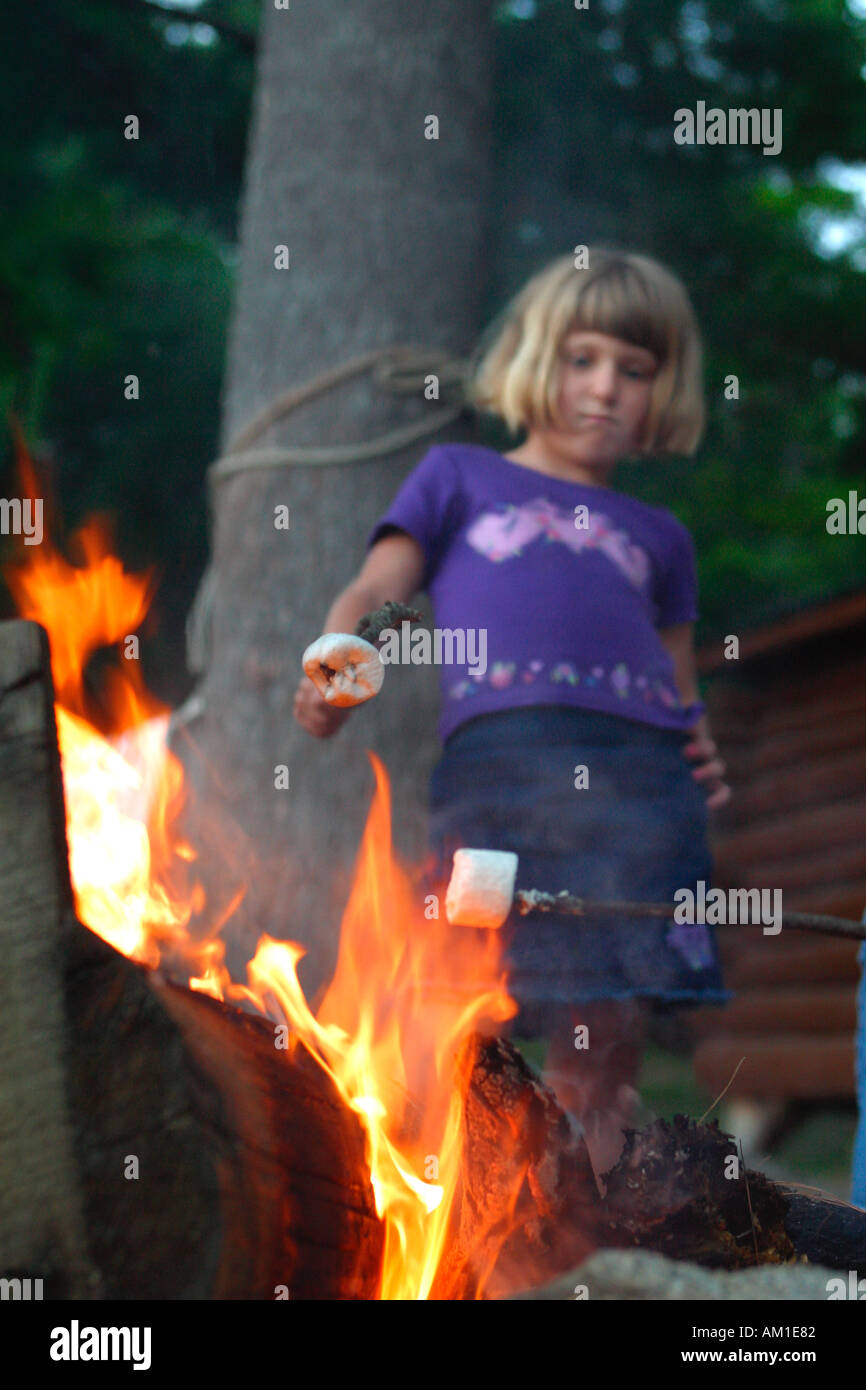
(816, 621)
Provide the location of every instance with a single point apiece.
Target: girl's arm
(393, 570)
(679, 642)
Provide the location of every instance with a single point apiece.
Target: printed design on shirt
(692, 940)
(503, 675)
(503, 534)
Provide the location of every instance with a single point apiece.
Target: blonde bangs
(517, 367)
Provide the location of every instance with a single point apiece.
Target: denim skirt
(637, 830)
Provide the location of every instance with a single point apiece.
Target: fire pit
(199, 1137)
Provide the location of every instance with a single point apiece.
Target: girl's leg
(593, 1071)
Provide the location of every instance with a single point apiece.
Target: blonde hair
(516, 375)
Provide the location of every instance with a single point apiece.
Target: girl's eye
(636, 372)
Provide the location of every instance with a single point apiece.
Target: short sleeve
(425, 507)
(677, 586)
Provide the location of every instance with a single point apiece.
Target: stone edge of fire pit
(632, 1275)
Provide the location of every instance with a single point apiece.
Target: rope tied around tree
(399, 370)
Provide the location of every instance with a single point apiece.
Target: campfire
(399, 1053)
(388, 1146)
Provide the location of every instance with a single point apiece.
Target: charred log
(528, 1202)
(682, 1189)
(153, 1143)
(248, 1171)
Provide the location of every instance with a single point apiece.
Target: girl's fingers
(317, 728)
(314, 714)
(711, 769)
(701, 748)
(715, 769)
(720, 797)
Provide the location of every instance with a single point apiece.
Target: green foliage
(117, 261)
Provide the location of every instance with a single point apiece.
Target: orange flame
(394, 1032)
(123, 792)
(408, 993)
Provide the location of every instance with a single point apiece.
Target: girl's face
(604, 395)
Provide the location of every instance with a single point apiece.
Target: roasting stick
(531, 900)
(481, 893)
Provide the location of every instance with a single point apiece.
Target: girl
(571, 747)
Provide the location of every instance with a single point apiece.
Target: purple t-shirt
(555, 589)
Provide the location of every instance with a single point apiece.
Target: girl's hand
(315, 714)
(711, 769)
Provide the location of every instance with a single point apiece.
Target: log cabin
(789, 716)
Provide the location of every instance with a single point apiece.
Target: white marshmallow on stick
(481, 893)
(346, 670)
(481, 888)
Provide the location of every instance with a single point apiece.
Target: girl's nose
(604, 381)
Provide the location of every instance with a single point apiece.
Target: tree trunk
(385, 230)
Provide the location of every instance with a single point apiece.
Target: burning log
(681, 1189)
(251, 1180)
(825, 1229)
(154, 1143)
(42, 1224)
(528, 1203)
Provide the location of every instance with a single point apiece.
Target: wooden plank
(757, 1012)
(826, 672)
(760, 750)
(781, 1068)
(766, 716)
(838, 899)
(826, 871)
(736, 943)
(815, 962)
(804, 832)
(807, 779)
